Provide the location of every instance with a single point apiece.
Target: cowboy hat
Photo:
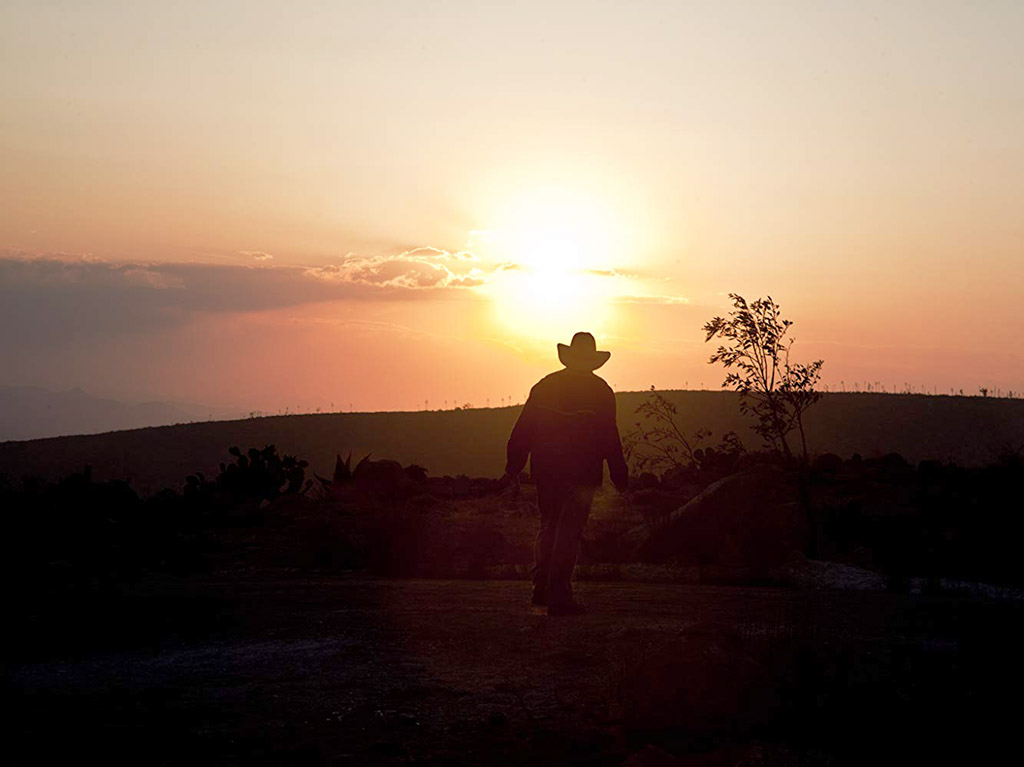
(582, 353)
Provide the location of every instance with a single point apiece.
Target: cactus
(255, 474)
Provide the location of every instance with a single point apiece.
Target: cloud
(615, 273)
(256, 255)
(418, 268)
(237, 287)
(151, 279)
(59, 301)
(652, 300)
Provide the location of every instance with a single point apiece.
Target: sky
(399, 205)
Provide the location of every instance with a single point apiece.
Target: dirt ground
(290, 669)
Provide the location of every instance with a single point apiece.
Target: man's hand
(510, 479)
(622, 484)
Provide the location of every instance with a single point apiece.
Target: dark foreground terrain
(295, 669)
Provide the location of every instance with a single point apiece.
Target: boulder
(827, 463)
(750, 520)
(416, 473)
(381, 473)
(811, 574)
(369, 480)
(462, 486)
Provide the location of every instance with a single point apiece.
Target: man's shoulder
(550, 380)
(543, 388)
(565, 378)
(551, 377)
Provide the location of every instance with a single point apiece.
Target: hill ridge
(967, 430)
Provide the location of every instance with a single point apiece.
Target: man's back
(568, 427)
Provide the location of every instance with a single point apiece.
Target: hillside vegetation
(967, 430)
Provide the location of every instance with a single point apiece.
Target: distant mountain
(32, 412)
(968, 430)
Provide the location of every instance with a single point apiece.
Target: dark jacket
(568, 427)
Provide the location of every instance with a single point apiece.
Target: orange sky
(382, 204)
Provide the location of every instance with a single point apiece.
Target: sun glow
(548, 293)
(548, 303)
(555, 255)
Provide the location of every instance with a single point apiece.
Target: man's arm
(613, 451)
(521, 441)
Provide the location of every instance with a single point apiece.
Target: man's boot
(540, 597)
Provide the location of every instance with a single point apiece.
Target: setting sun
(556, 248)
(543, 304)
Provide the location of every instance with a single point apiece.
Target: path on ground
(301, 670)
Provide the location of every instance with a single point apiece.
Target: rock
(416, 473)
(889, 464)
(811, 574)
(461, 486)
(440, 487)
(383, 479)
(380, 473)
(827, 463)
(751, 520)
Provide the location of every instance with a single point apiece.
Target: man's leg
(551, 497)
(574, 513)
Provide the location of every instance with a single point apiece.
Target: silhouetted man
(568, 428)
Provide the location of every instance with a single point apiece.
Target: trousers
(564, 510)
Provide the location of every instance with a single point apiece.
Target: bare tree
(658, 444)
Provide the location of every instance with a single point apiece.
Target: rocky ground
(288, 669)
